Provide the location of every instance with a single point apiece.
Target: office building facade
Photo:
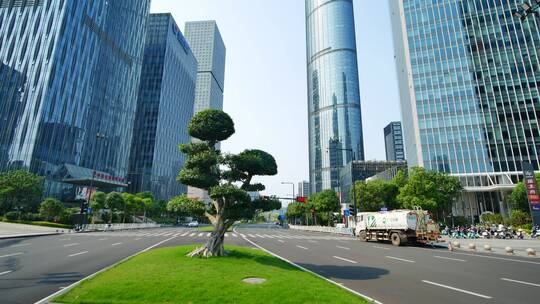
(69, 77)
(469, 76)
(304, 189)
(393, 141)
(165, 107)
(334, 115)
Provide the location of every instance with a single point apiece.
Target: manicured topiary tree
(227, 178)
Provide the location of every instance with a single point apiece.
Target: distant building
(165, 107)
(361, 170)
(389, 174)
(393, 142)
(334, 115)
(303, 189)
(207, 44)
(69, 73)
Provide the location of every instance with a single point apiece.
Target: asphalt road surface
(33, 268)
(392, 274)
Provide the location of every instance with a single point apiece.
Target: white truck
(398, 226)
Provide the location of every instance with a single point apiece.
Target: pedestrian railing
(112, 227)
(336, 230)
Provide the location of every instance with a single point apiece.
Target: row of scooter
(500, 232)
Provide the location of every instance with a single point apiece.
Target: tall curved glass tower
(335, 124)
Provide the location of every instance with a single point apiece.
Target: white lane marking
(72, 244)
(101, 239)
(208, 234)
(193, 234)
(167, 234)
(138, 239)
(383, 248)
(242, 235)
(20, 245)
(302, 247)
(312, 241)
(64, 239)
(521, 282)
(116, 244)
(201, 234)
(184, 234)
(226, 234)
(341, 247)
(447, 258)
(268, 236)
(281, 241)
(234, 235)
(399, 259)
(5, 272)
(251, 235)
(346, 260)
(76, 254)
(485, 256)
(458, 289)
(262, 237)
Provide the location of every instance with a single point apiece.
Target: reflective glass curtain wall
(335, 126)
(70, 70)
(165, 107)
(469, 78)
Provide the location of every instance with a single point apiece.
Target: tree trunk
(214, 246)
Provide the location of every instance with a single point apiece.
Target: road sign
(531, 186)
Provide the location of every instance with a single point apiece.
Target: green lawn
(210, 228)
(42, 223)
(166, 275)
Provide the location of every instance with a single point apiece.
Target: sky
(266, 83)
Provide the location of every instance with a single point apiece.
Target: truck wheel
(396, 239)
(362, 236)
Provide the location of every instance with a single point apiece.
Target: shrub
(519, 218)
(31, 217)
(12, 215)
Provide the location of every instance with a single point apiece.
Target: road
(33, 268)
(392, 274)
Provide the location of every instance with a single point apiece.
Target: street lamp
(290, 183)
(527, 9)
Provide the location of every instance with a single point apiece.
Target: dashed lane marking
(457, 289)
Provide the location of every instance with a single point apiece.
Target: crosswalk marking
(192, 234)
(201, 234)
(184, 234)
(262, 237)
(251, 235)
(234, 235)
(226, 234)
(208, 234)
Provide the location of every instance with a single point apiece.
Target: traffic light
(301, 199)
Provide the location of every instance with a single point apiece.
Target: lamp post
(290, 183)
(527, 9)
(99, 136)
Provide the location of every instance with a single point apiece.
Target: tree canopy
(518, 198)
(182, 206)
(20, 189)
(51, 209)
(227, 178)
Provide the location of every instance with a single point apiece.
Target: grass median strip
(166, 275)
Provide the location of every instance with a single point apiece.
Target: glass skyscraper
(165, 107)
(207, 45)
(393, 141)
(335, 125)
(69, 72)
(469, 75)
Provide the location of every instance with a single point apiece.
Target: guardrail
(112, 227)
(346, 231)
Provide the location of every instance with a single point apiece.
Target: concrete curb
(371, 300)
(47, 299)
(17, 236)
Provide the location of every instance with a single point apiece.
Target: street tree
(429, 190)
(114, 202)
(97, 203)
(51, 209)
(518, 198)
(325, 203)
(20, 190)
(182, 206)
(374, 195)
(296, 211)
(227, 178)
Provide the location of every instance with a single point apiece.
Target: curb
(17, 236)
(371, 300)
(65, 290)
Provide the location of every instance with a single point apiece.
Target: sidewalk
(11, 230)
(498, 245)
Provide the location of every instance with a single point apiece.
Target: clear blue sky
(265, 81)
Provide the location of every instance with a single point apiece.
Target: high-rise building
(165, 107)
(207, 45)
(303, 189)
(335, 125)
(469, 76)
(393, 141)
(69, 77)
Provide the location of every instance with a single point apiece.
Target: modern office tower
(165, 107)
(69, 76)
(303, 189)
(335, 124)
(393, 141)
(205, 40)
(469, 76)
(207, 45)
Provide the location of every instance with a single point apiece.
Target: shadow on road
(347, 272)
